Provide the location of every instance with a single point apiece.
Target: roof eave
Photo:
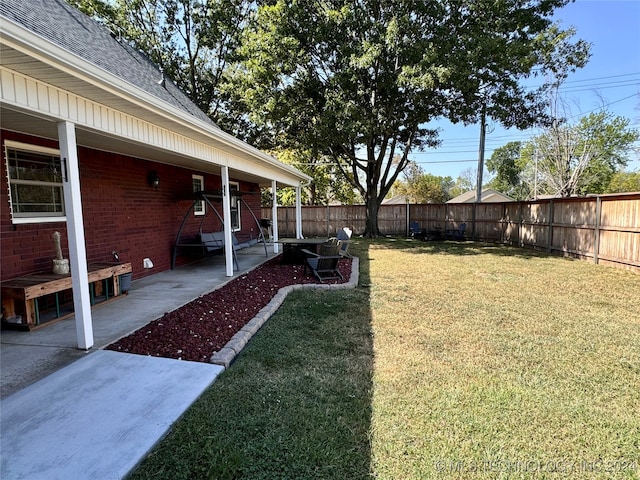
(23, 39)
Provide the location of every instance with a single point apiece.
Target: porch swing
(211, 242)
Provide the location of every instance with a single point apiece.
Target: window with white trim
(198, 186)
(235, 206)
(35, 183)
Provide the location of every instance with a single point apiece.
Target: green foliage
(98, 9)
(582, 158)
(192, 41)
(624, 182)
(420, 187)
(327, 186)
(508, 165)
(466, 181)
(358, 80)
(567, 159)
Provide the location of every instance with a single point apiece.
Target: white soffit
(37, 77)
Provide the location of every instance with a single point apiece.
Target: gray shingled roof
(63, 25)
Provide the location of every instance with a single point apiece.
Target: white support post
(226, 215)
(274, 217)
(75, 234)
(299, 211)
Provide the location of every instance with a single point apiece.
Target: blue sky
(612, 77)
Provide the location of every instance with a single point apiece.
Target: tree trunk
(371, 227)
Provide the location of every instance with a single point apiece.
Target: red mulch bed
(200, 328)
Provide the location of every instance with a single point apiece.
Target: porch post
(75, 234)
(274, 217)
(226, 215)
(298, 211)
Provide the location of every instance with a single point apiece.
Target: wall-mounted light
(153, 179)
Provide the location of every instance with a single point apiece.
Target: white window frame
(32, 217)
(200, 208)
(235, 205)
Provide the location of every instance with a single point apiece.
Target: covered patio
(114, 145)
(27, 357)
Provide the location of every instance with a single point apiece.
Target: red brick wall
(121, 213)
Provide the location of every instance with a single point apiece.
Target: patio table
(292, 248)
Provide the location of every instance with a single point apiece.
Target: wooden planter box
(44, 297)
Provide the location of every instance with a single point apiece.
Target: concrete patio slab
(98, 417)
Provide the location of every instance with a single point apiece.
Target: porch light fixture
(153, 179)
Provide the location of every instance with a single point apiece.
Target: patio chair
(459, 233)
(324, 265)
(344, 239)
(415, 231)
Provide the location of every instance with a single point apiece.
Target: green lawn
(449, 361)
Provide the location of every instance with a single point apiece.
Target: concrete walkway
(70, 414)
(26, 357)
(98, 417)
(97, 414)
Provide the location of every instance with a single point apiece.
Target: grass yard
(451, 360)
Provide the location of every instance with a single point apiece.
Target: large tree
(420, 187)
(567, 159)
(358, 80)
(581, 158)
(509, 164)
(192, 41)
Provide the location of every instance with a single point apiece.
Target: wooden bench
(20, 296)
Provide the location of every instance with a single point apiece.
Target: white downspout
(75, 234)
(226, 215)
(274, 217)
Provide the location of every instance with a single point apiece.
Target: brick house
(98, 145)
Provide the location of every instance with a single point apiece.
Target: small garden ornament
(60, 265)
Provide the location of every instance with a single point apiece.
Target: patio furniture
(457, 233)
(416, 231)
(206, 243)
(344, 239)
(293, 248)
(324, 265)
(33, 300)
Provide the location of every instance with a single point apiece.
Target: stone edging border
(225, 356)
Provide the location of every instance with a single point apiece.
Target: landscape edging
(227, 354)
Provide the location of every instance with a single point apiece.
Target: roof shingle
(70, 29)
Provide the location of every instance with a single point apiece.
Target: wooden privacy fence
(604, 229)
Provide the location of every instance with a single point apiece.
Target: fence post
(408, 216)
(520, 220)
(286, 220)
(473, 221)
(550, 232)
(328, 219)
(596, 241)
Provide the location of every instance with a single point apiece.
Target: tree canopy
(353, 82)
(358, 81)
(192, 41)
(420, 187)
(507, 162)
(567, 159)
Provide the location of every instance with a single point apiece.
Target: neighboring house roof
(488, 196)
(396, 200)
(57, 64)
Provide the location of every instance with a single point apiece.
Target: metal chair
(324, 265)
(344, 239)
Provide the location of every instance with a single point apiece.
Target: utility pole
(535, 177)
(483, 122)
